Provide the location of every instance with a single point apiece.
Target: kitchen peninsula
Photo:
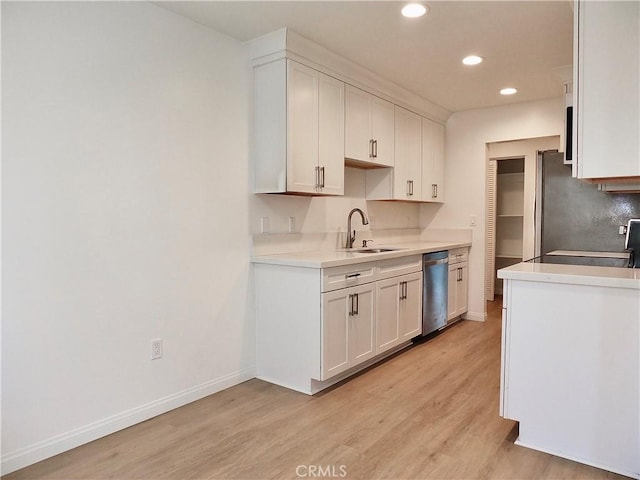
(570, 364)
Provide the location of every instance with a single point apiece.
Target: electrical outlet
(622, 230)
(264, 225)
(292, 224)
(156, 349)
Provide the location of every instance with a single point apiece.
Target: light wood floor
(430, 412)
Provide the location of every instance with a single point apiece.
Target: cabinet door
(608, 98)
(302, 120)
(453, 292)
(336, 308)
(357, 124)
(462, 302)
(331, 135)
(410, 314)
(458, 290)
(382, 131)
(432, 161)
(369, 128)
(407, 170)
(387, 314)
(347, 328)
(438, 162)
(362, 328)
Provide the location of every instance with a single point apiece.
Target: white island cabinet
(570, 363)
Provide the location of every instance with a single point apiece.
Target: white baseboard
(621, 471)
(60, 443)
(478, 317)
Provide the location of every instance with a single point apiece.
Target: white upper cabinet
(407, 184)
(606, 93)
(432, 161)
(418, 174)
(299, 130)
(403, 181)
(369, 129)
(331, 135)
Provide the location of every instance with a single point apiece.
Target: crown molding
(285, 43)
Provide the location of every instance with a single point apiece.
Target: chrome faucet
(365, 221)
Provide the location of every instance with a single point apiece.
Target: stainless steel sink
(376, 250)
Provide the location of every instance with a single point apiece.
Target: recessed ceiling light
(508, 91)
(413, 10)
(472, 60)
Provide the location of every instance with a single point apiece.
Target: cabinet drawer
(399, 266)
(458, 255)
(348, 276)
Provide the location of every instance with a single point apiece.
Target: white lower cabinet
(398, 310)
(458, 302)
(317, 326)
(347, 328)
(410, 317)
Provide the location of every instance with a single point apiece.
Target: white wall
(327, 216)
(467, 136)
(125, 218)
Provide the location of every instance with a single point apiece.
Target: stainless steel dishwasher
(435, 291)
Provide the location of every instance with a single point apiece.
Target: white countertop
(582, 253)
(618, 277)
(334, 258)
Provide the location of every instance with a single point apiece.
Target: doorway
(511, 192)
(509, 206)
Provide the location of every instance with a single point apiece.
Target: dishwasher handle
(428, 263)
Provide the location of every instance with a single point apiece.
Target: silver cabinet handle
(371, 148)
(353, 298)
(350, 305)
(321, 177)
(317, 177)
(403, 290)
(434, 190)
(375, 149)
(352, 275)
(410, 188)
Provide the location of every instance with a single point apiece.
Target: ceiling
(522, 42)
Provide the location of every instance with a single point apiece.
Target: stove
(593, 259)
